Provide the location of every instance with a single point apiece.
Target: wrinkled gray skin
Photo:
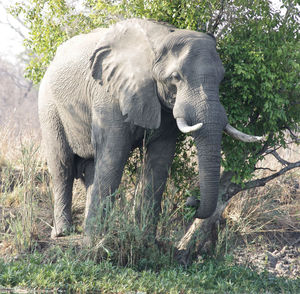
(105, 88)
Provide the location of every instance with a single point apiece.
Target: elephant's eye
(175, 76)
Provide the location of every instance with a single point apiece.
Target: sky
(11, 42)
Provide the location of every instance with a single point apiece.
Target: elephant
(105, 91)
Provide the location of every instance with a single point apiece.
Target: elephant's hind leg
(60, 161)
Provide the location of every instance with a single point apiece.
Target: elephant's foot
(60, 230)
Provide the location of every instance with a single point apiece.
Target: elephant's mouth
(167, 96)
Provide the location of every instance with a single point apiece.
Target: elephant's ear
(122, 62)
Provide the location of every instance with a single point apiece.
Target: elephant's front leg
(158, 159)
(111, 155)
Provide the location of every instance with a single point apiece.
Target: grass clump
(126, 235)
(129, 233)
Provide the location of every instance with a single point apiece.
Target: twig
(263, 181)
(14, 78)
(45, 223)
(281, 160)
(296, 242)
(266, 145)
(289, 8)
(265, 168)
(293, 135)
(17, 30)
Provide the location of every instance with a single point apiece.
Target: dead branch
(15, 28)
(295, 137)
(289, 9)
(265, 168)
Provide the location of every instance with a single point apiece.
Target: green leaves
(50, 23)
(259, 56)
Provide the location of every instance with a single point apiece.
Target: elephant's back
(70, 68)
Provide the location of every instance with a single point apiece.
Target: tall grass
(127, 239)
(129, 233)
(23, 187)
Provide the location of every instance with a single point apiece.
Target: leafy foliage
(261, 88)
(258, 46)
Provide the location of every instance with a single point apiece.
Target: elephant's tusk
(185, 128)
(233, 132)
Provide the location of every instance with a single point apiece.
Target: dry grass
(271, 213)
(26, 208)
(23, 188)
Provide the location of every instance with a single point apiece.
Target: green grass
(72, 274)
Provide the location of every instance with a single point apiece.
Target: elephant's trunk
(209, 158)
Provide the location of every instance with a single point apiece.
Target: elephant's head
(150, 65)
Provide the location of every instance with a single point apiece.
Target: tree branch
(279, 158)
(266, 145)
(16, 29)
(14, 78)
(289, 8)
(218, 18)
(265, 168)
(235, 188)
